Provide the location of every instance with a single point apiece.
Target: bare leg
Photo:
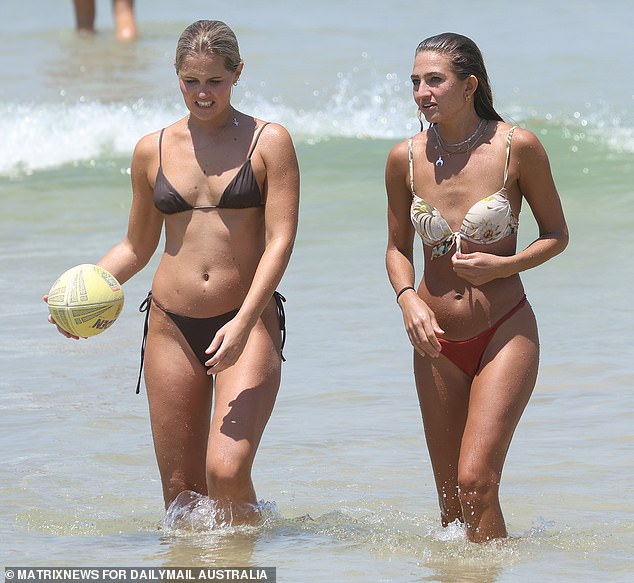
(124, 21)
(179, 397)
(192, 456)
(245, 396)
(499, 394)
(85, 15)
(469, 424)
(443, 394)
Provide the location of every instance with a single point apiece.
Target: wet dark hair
(208, 37)
(466, 59)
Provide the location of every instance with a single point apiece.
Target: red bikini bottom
(467, 354)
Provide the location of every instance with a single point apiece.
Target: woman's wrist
(403, 290)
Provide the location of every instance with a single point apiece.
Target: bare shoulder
(274, 135)
(275, 146)
(399, 150)
(527, 145)
(398, 153)
(398, 157)
(146, 149)
(532, 166)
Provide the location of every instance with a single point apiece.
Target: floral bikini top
(489, 220)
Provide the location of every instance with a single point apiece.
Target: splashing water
(191, 511)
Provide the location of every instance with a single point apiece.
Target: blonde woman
(225, 187)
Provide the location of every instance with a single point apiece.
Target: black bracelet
(398, 295)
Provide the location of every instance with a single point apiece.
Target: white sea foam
(38, 137)
(44, 136)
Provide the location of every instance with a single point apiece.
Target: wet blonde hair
(208, 37)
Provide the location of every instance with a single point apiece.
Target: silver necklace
(443, 147)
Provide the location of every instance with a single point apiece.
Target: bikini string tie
(279, 298)
(144, 307)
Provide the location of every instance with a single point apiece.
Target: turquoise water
(342, 467)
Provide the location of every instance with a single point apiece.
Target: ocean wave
(45, 136)
(50, 135)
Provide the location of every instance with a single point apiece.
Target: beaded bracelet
(398, 295)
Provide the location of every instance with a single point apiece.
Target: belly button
(206, 276)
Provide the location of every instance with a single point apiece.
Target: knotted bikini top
(489, 220)
(242, 192)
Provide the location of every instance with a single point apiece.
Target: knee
(477, 488)
(226, 475)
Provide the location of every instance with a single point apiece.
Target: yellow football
(85, 300)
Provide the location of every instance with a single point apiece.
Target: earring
(467, 97)
(235, 83)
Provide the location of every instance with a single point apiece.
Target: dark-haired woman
(460, 185)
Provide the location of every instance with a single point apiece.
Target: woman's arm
(280, 218)
(420, 321)
(400, 239)
(145, 222)
(536, 184)
(144, 225)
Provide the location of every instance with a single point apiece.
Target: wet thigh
(443, 394)
(179, 396)
(499, 394)
(245, 396)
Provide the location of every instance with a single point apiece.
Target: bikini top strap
(161, 148)
(255, 141)
(410, 150)
(508, 155)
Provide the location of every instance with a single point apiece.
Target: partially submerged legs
(469, 423)
(122, 11)
(211, 454)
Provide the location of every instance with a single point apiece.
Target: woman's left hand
(226, 347)
(478, 268)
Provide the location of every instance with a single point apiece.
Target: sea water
(342, 471)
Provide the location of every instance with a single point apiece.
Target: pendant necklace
(443, 147)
